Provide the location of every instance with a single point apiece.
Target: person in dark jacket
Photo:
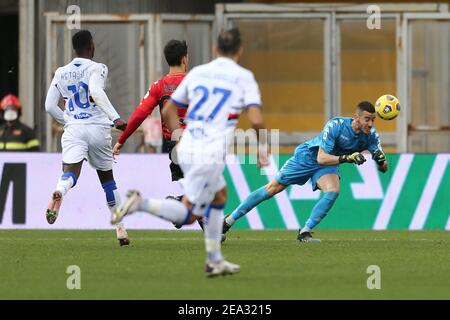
(14, 135)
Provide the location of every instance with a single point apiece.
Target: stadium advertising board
(411, 195)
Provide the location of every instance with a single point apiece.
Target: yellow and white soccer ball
(387, 107)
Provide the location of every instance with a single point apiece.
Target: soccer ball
(387, 107)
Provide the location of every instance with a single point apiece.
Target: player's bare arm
(116, 149)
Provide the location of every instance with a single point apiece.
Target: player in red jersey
(176, 56)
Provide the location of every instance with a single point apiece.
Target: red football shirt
(158, 94)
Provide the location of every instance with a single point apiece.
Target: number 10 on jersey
(76, 96)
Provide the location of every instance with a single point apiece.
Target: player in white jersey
(87, 119)
(215, 94)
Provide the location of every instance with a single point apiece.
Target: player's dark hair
(229, 42)
(366, 106)
(81, 41)
(174, 51)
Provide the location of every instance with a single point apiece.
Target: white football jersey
(215, 94)
(74, 82)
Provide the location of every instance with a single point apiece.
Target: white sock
(230, 220)
(121, 232)
(213, 233)
(168, 209)
(64, 184)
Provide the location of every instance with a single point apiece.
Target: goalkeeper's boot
(53, 207)
(221, 268)
(226, 226)
(225, 229)
(130, 205)
(306, 236)
(122, 235)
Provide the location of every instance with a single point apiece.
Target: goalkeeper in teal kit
(341, 141)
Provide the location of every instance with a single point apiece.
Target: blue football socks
(321, 209)
(255, 198)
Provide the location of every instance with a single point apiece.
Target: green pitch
(169, 265)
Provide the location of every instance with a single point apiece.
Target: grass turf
(170, 264)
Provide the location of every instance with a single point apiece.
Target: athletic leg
(113, 202)
(329, 184)
(254, 199)
(68, 180)
(215, 263)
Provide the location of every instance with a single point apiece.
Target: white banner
(84, 207)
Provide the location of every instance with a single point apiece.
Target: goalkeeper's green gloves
(379, 157)
(355, 157)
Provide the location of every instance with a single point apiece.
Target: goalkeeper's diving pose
(341, 141)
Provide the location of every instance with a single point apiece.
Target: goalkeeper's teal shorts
(303, 166)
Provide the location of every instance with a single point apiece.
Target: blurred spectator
(152, 136)
(14, 135)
